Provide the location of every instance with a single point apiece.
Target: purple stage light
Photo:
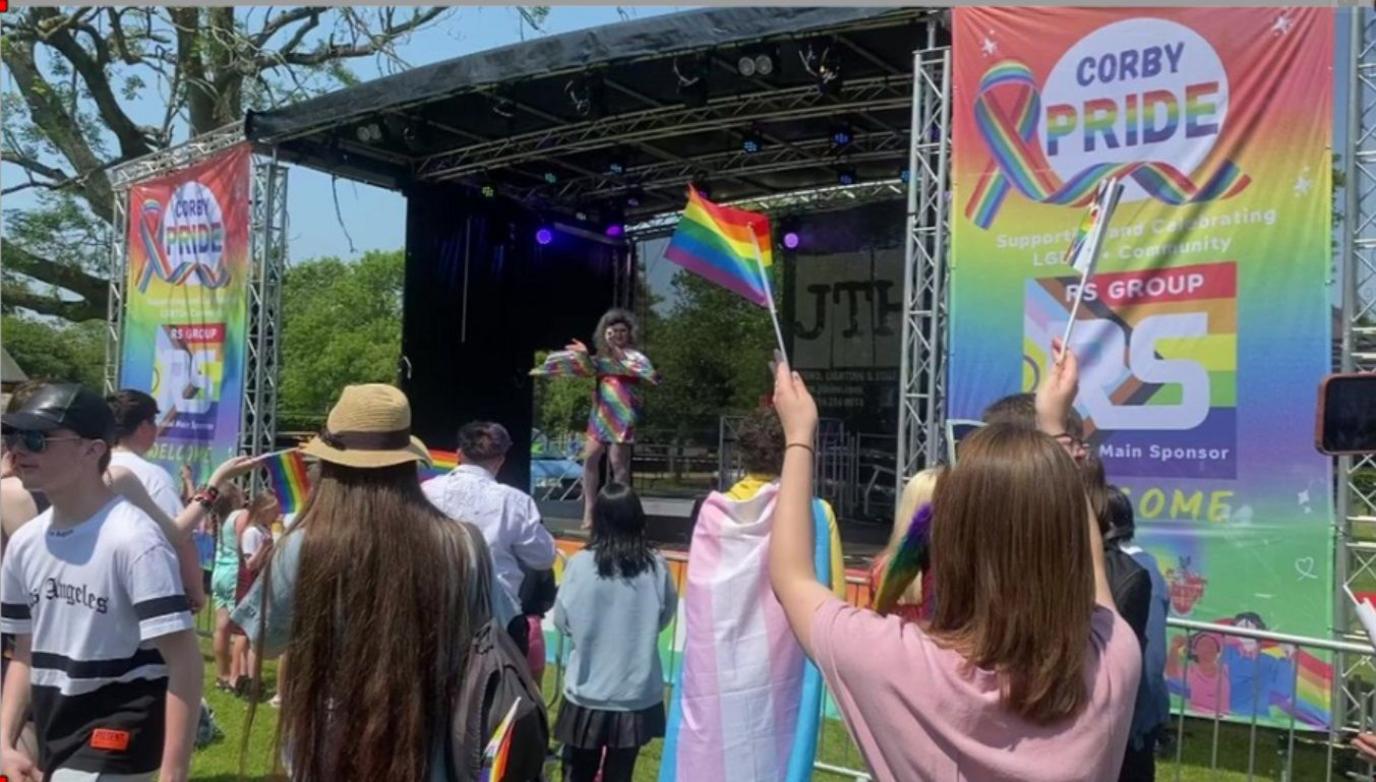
(544, 236)
(791, 240)
(615, 230)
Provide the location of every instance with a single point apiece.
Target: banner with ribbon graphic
(186, 313)
(1017, 158)
(1207, 323)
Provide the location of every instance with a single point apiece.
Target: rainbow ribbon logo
(1018, 160)
(150, 228)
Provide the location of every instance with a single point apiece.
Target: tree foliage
(561, 403)
(712, 349)
(48, 350)
(341, 324)
(82, 81)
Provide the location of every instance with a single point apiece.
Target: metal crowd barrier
(1322, 753)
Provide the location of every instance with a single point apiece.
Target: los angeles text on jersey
(71, 594)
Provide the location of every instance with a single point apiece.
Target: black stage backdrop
(481, 296)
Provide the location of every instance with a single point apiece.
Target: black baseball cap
(64, 406)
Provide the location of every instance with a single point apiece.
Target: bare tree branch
(376, 43)
(272, 25)
(17, 296)
(131, 141)
(34, 166)
(60, 128)
(92, 289)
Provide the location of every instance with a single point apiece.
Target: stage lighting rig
(823, 64)
(757, 61)
(753, 142)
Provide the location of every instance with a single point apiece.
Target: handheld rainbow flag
(728, 246)
(1089, 237)
(289, 479)
(907, 562)
(441, 462)
(499, 748)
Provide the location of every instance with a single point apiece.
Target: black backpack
(495, 676)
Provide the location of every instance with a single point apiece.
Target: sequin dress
(617, 396)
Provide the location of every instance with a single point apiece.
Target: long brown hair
(382, 621)
(1011, 551)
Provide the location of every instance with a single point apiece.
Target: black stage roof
(620, 118)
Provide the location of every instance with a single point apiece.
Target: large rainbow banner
(1208, 322)
(186, 307)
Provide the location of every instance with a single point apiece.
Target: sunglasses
(32, 441)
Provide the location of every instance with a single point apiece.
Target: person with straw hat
(375, 595)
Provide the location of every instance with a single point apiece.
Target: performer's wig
(611, 318)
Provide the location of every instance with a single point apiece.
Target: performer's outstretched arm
(566, 363)
(632, 363)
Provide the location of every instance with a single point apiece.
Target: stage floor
(671, 527)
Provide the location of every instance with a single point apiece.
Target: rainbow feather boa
(907, 562)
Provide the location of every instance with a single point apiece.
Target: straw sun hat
(369, 427)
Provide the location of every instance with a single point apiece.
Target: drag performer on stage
(619, 369)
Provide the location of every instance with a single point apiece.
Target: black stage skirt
(594, 728)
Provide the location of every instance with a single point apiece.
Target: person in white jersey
(106, 652)
(136, 432)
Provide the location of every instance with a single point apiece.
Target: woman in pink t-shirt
(1024, 672)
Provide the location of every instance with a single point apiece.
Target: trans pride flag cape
(747, 702)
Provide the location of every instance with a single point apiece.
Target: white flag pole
(769, 293)
(1107, 201)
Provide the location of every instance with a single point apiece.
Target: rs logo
(1102, 346)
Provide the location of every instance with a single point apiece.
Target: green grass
(219, 762)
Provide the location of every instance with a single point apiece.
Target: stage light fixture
(746, 66)
(544, 236)
(551, 178)
(753, 143)
(847, 176)
(616, 230)
(791, 240)
(634, 198)
(488, 190)
(616, 168)
(841, 136)
(764, 64)
(369, 132)
(905, 175)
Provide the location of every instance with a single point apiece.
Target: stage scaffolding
(922, 365)
(1355, 517)
(267, 261)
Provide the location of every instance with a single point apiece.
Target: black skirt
(583, 728)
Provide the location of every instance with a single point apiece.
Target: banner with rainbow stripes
(186, 311)
(1206, 325)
